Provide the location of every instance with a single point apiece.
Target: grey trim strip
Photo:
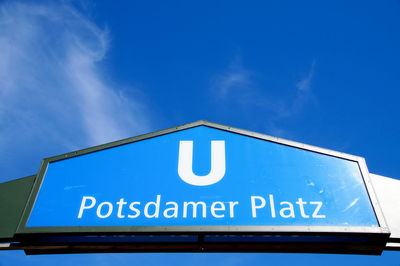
(203, 229)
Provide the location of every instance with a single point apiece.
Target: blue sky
(76, 74)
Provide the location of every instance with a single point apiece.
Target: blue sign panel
(203, 176)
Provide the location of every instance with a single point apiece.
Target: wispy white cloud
(235, 80)
(237, 84)
(303, 93)
(303, 96)
(52, 94)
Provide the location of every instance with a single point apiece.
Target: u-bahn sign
(220, 188)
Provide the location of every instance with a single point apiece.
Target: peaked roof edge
(209, 124)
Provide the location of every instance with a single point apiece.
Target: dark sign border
(382, 230)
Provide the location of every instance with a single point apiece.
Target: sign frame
(382, 230)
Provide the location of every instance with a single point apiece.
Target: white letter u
(185, 163)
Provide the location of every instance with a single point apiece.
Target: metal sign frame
(382, 231)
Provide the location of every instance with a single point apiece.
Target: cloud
(291, 107)
(303, 94)
(235, 80)
(237, 85)
(53, 97)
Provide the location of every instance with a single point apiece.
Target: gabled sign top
(208, 124)
(202, 176)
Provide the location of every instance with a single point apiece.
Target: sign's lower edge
(200, 229)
